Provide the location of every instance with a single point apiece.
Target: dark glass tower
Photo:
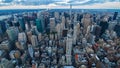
(22, 24)
(39, 25)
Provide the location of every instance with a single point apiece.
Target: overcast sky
(56, 4)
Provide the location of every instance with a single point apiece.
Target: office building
(56, 15)
(12, 33)
(34, 40)
(5, 45)
(58, 29)
(22, 23)
(39, 25)
(19, 45)
(30, 50)
(52, 24)
(86, 20)
(22, 37)
(69, 50)
(29, 35)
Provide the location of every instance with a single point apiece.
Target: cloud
(56, 4)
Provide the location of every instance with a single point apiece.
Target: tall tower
(58, 29)
(39, 25)
(22, 24)
(70, 11)
(1, 33)
(75, 34)
(63, 22)
(115, 15)
(34, 40)
(52, 24)
(69, 50)
(22, 37)
(12, 33)
(30, 50)
(86, 20)
(56, 14)
(70, 21)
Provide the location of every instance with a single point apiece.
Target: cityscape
(59, 38)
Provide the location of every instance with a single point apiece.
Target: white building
(22, 37)
(69, 49)
(34, 40)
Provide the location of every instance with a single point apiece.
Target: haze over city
(59, 4)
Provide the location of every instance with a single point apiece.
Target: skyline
(57, 4)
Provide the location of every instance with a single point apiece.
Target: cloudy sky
(56, 4)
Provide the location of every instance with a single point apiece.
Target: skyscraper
(75, 34)
(69, 49)
(1, 33)
(29, 35)
(12, 33)
(86, 20)
(56, 15)
(115, 15)
(22, 24)
(5, 45)
(19, 45)
(39, 37)
(34, 40)
(26, 26)
(39, 25)
(63, 23)
(52, 24)
(70, 12)
(30, 50)
(2, 26)
(58, 29)
(22, 37)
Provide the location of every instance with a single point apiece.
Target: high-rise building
(86, 20)
(75, 17)
(15, 54)
(29, 35)
(118, 20)
(70, 12)
(46, 22)
(26, 26)
(56, 15)
(22, 37)
(39, 37)
(1, 33)
(19, 45)
(2, 26)
(42, 18)
(30, 50)
(63, 23)
(64, 33)
(34, 30)
(115, 15)
(12, 33)
(34, 40)
(39, 25)
(22, 24)
(32, 24)
(5, 45)
(75, 34)
(6, 63)
(58, 29)
(52, 24)
(69, 50)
